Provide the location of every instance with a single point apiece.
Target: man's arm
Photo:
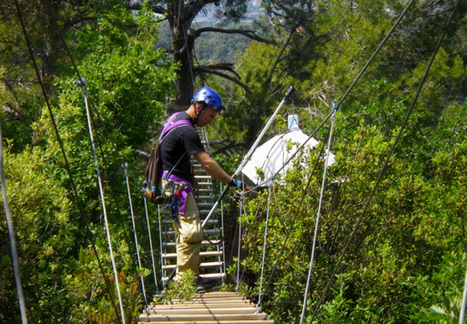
(212, 167)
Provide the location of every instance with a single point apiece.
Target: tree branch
(268, 80)
(204, 69)
(9, 109)
(223, 66)
(137, 6)
(247, 33)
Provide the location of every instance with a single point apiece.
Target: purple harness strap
(165, 174)
(183, 193)
(171, 125)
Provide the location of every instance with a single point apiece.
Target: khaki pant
(189, 235)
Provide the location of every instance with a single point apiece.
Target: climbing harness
(173, 192)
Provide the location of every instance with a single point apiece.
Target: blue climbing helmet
(210, 97)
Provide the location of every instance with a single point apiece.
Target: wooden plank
(206, 317)
(202, 254)
(209, 222)
(210, 322)
(243, 305)
(205, 242)
(201, 266)
(207, 232)
(214, 276)
(212, 300)
(203, 311)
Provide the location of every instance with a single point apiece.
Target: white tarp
(272, 155)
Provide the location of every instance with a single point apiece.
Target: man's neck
(191, 112)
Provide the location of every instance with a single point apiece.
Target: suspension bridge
(213, 306)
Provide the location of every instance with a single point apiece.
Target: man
(178, 146)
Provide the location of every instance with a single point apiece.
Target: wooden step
(203, 254)
(203, 190)
(206, 308)
(204, 183)
(203, 265)
(207, 177)
(205, 211)
(210, 221)
(209, 322)
(205, 205)
(205, 231)
(204, 242)
(210, 276)
(206, 198)
(203, 310)
(199, 318)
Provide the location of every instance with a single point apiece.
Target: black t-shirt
(180, 140)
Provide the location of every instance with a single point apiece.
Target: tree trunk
(183, 43)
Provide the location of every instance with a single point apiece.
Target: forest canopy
(390, 244)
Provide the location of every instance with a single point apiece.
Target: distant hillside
(216, 47)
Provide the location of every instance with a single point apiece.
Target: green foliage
(127, 82)
(183, 289)
(397, 268)
(396, 264)
(45, 237)
(445, 289)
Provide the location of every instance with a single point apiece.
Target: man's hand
(237, 184)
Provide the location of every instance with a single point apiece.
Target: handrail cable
(67, 165)
(287, 94)
(464, 302)
(349, 89)
(222, 233)
(386, 162)
(150, 239)
(104, 207)
(292, 223)
(108, 137)
(264, 251)
(239, 241)
(11, 232)
(315, 235)
(328, 117)
(104, 127)
(125, 167)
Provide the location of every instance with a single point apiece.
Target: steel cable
(67, 165)
(11, 232)
(104, 207)
(386, 162)
(315, 235)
